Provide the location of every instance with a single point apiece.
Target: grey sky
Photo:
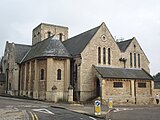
(124, 18)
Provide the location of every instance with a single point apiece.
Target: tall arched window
(104, 55)
(99, 55)
(131, 64)
(42, 74)
(59, 74)
(139, 61)
(109, 56)
(135, 62)
(60, 36)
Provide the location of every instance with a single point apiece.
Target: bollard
(110, 103)
(97, 107)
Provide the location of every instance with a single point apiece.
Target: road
(135, 113)
(15, 109)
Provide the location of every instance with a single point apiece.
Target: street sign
(97, 107)
(110, 103)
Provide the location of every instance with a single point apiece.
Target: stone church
(92, 64)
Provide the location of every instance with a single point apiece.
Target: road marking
(26, 106)
(92, 118)
(34, 116)
(44, 111)
(122, 109)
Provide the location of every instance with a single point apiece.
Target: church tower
(43, 31)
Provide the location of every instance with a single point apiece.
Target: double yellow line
(34, 116)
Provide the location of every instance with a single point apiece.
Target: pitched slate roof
(21, 51)
(123, 45)
(122, 73)
(2, 77)
(47, 48)
(76, 45)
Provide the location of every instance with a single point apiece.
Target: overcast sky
(124, 18)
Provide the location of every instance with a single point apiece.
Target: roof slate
(2, 77)
(21, 51)
(47, 48)
(123, 45)
(122, 73)
(76, 45)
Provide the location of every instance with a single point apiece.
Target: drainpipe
(19, 81)
(135, 92)
(123, 60)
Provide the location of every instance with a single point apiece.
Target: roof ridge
(83, 33)
(81, 40)
(123, 45)
(125, 40)
(23, 44)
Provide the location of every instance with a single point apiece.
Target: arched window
(109, 56)
(139, 61)
(59, 74)
(99, 55)
(104, 55)
(49, 34)
(131, 64)
(135, 62)
(60, 36)
(42, 74)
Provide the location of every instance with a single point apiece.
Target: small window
(59, 74)
(118, 84)
(99, 55)
(34, 35)
(142, 85)
(134, 47)
(60, 36)
(42, 74)
(49, 34)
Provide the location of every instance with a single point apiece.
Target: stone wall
(134, 47)
(41, 32)
(90, 58)
(11, 69)
(62, 85)
(126, 94)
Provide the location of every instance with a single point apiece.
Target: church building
(93, 64)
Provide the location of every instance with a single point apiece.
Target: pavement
(87, 109)
(83, 108)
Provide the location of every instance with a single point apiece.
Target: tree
(157, 77)
(157, 81)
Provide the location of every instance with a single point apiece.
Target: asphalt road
(135, 113)
(33, 110)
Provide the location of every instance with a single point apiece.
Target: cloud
(124, 18)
